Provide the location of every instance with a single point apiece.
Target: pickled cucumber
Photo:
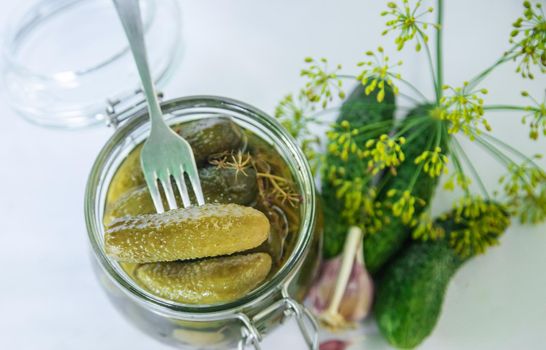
(127, 177)
(188, 233)
(211, 136)
(208, 281)
(225, 185)
(220, 185)
(206, 137)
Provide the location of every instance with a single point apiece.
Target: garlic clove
(343, 293)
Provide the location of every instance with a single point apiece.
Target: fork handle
(130, 17)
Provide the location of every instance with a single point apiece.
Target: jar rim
(281, 278)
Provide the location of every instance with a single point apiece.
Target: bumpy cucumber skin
(211, 136)
(381, 246)
(411, 289)
(359, 110)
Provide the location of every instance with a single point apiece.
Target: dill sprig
(377, 73)
(454, 114)
(529, 36)
(407, 23)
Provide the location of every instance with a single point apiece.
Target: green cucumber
(411, 288)
(381, 246)
(359, 110)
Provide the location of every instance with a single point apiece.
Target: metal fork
(165, 154)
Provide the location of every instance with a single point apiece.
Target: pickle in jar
(188, 233)
(222, 250)
(207, 281)
(206, 137)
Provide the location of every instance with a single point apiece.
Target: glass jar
(239, 323)
(73, 78)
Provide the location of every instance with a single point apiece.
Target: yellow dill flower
(378, 73)
(481, 223)
(296, 115)
(464, 110)
(426, 229)
(343, 143)
(525, 190)
(323, 84)
(457, 179)
(435, 162)
(407, 22)
(469, 207)
(529, 35)
(537, 115)
(292, 114)
(404, 206)
(384, 152)
(359, 202)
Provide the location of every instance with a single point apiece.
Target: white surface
(253, 51)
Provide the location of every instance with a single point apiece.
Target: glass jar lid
(67, 62)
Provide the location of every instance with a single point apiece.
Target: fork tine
(151, 181)
(196, 184)
(181, 184)
(168, 189)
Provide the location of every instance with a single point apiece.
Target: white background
(253, 50)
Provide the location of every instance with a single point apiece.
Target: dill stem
(473, 169)
(376, 127)
(439, 50)
(416, 133)
(347, 76)
(481, 76)
(412, 87)
(431, 66)
(504, 108)
(459, 168)
(416, 175)
(506, 159)
(494, 151)
(510, 148)
(412, 99)
(438, 134)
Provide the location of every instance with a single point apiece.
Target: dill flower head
(434, 162)
(343, 141)
(525, 190)
(359, 203)
(323, 83)
(536, 115)
(427, 230)
(296, 115)
(529, 35)
(480, 224)
(377, 73)
(407, 22)
(404, 205)
(464, 110)
(292, 112)
(384, 152)
(457, 179)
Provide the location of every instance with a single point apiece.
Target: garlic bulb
(343, 293)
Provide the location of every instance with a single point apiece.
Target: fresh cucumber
(411, 288)
(359, 110)
(381, 246)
